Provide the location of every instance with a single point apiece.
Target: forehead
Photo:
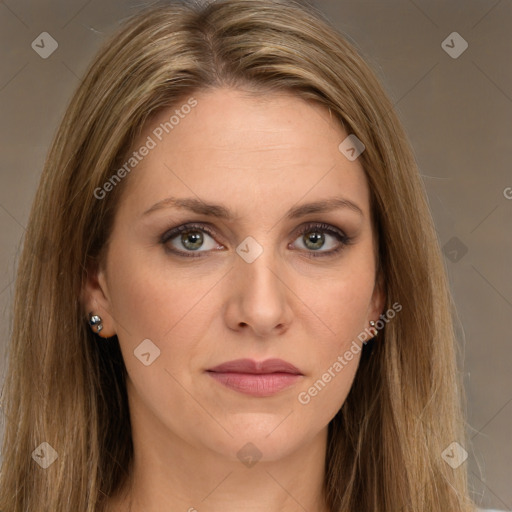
(234, 147)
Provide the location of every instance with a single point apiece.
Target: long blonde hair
(62, 387)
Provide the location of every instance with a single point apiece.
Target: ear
(378, 299)
(95, 299)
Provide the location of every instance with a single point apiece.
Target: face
(251, 274)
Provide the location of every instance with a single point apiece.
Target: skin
(259, 157)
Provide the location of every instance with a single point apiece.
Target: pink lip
(255, 367)
(254, 378)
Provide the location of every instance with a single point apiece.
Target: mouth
(254, 378)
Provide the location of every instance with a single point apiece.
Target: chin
(260, 441)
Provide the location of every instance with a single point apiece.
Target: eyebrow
(221, 212)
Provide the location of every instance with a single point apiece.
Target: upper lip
(256, 367)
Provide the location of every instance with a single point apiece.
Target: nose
(258, 297)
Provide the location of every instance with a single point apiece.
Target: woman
(231, 294)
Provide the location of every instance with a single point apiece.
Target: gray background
(457, 112)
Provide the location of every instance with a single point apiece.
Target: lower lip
(263, 384)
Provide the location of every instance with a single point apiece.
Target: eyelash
(311, 227)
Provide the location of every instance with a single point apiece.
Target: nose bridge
(259, 265)
(261, 292)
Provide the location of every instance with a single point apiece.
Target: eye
(313, 238)
(190, 237)
(187, 239)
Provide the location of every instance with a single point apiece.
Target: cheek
(148, 297)
(151, 303)
(334, 356)
(166, 305)
(340, 303)
(139, 299)
(341, 308)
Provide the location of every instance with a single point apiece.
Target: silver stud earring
(95, 321)
(372, 325)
